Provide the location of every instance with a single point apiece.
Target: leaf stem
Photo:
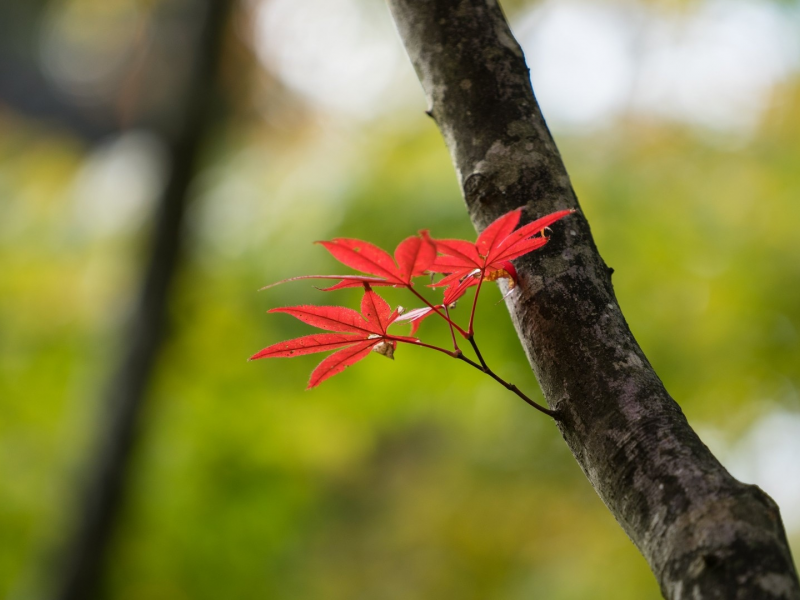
(452, 333)
(436, 310)
(470, 330)
(451, 353)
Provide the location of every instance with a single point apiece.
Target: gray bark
(704, 534)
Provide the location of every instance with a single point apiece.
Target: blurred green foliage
(413, 478)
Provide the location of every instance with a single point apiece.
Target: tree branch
(704, 534)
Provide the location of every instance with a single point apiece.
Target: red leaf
(356, 280)
(363, 256)
(451, 264)
(453, 278)
(414, 314)
(498, 243)
(414, 255)
(460, 249)
(376, 311)
(520, 248)
(339, 361)
(319, 342)
(511, 271)
(369, 330)
(497, 231)
(455, 291)
(527, 231)
(332, 318)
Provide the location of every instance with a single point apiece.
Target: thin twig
(511, 387)
(483, 369)
(436, 310)
(474, 345)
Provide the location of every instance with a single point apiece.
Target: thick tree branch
(704, 534)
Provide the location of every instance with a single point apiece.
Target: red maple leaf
(466, 264)
(412, 257)
(356, 335)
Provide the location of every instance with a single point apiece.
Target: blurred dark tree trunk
(704, 534)
(199, 108)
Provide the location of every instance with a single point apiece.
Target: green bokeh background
(412, 478)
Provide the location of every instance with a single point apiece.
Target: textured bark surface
(704, 534)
